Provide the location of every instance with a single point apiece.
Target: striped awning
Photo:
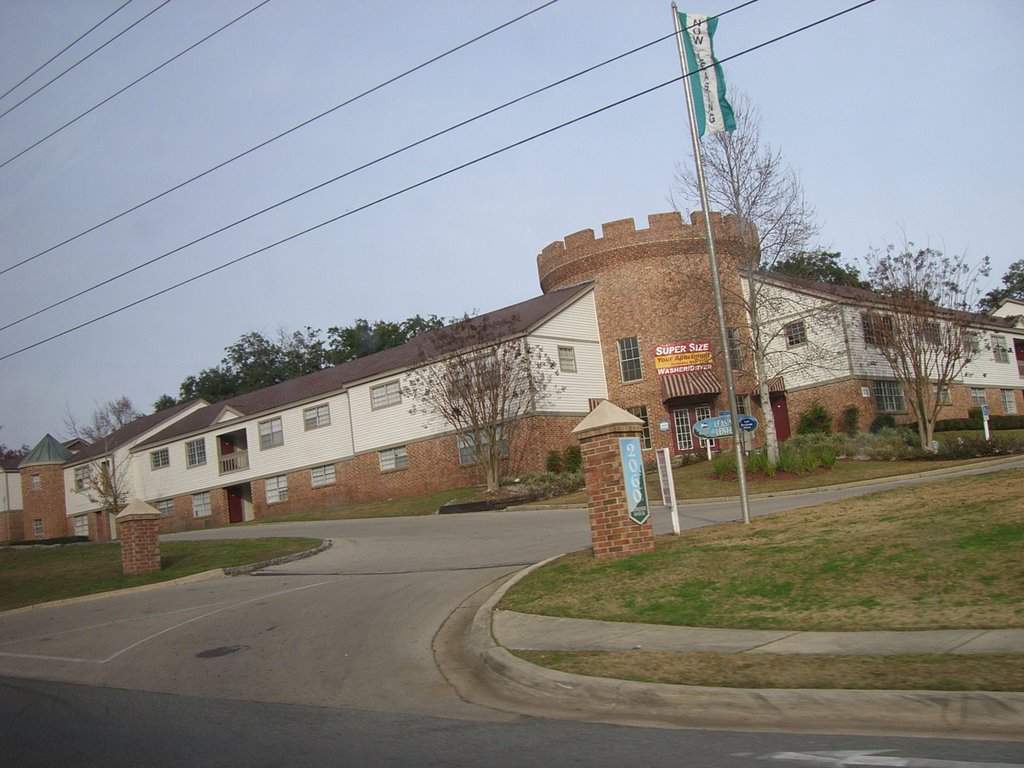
(690, 384)
(778, 384)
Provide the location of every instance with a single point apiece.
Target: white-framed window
(82, 525)
(796, 333)
(978, 396)
(393, 458)
(1000, 352)
(629, 359)
(702, 412)
(160, 459)
(973, 339)
(932, 334)
(640, 411)
(271, 433)
(684, 435)
(383, 395)
(201, 504)
(889, 397)
(324, 475)
(943, 396)
(277, 489)
(35, 482)
(467, 452)
(1009, 401)
(877, 328)
(37, 527)
(165, 507)
(317, 416)
(735, 348)
(195, 453)
(567, 359)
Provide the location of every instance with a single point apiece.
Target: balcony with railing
(232, 452)
(234, 462)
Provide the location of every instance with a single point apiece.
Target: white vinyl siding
(320, 476)
(276, 488)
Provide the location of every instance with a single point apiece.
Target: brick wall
(46, 503)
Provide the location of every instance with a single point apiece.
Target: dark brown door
(235, 507)
(781, 413)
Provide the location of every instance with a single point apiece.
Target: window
(201, 504)
(640, 411)
(160, 459)
(703, 412)
(322, 475)
(877, 328)
(165, 507)
(684, 437)
(1000, 352)
(931, 333)
(629, 359)
(978, 396)
(271, 433)
(82, 525)
(467, 452)
(973, 339)
(889, 397)
(567, 359)
(37, 527)
(195, 453)
(942, 396)
(384, 395)
(35, 482)
(317, 416)
(735, 348)
(1009, 402)
(397, 458)
(277, 489)
(796, 333)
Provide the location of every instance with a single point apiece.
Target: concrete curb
(937, 713)
(217, 573)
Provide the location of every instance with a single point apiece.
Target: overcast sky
(903, 119)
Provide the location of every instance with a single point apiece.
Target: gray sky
(899, 118)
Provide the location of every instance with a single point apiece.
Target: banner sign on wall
(683, 358)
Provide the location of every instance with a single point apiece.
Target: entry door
(236, 510)
(780, 412)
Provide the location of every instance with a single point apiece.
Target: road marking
(875, 758)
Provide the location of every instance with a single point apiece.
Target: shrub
(814, 419)
(849, 420)
(758, 462)
(882, 421)
(554, 462)
(724, 465)
(572, 459)
(546, 484)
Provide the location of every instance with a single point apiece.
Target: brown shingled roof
(514, 320)
(126, 433)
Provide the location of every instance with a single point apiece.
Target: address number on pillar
(633, 474)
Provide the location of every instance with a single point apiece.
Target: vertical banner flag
(707, 81)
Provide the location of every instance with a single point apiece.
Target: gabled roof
(514, 320)
(850, 294)
(128, 432)
(11, 464)
(47, 451)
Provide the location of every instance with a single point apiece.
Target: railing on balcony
(234, 462)
(1020, 368)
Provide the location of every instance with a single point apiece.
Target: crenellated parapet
(582, 255)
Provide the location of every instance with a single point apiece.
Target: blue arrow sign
(716, 426)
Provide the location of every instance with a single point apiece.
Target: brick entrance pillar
(138, 526)
(612, 532)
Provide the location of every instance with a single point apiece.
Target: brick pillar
(613, 533)
(138, 526)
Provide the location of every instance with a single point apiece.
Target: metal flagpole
(715, 281)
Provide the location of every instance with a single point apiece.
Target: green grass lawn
(31, 575)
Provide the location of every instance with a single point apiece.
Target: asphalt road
(350, 633)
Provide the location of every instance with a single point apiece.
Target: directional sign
(633, 473)
(716, 426)
(748, 423)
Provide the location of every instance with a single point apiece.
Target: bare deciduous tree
(748, 179)
(482, 383)
(923, 327)
(105, 420)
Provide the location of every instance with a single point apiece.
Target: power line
(281, 135)
(89, 55)
(63, 50)
(424, 182)
(131, 84)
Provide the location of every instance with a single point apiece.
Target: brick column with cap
(613, 533)
(138, 526)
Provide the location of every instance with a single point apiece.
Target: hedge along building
(653, 295)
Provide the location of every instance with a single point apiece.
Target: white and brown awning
(690, 384)
(777, 384)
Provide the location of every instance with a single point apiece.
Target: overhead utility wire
(131, 84)
(50, 82)
(63, 50)
(328, 182)
(279, 136)
(426, 181)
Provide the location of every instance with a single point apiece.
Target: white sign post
(668, 487)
